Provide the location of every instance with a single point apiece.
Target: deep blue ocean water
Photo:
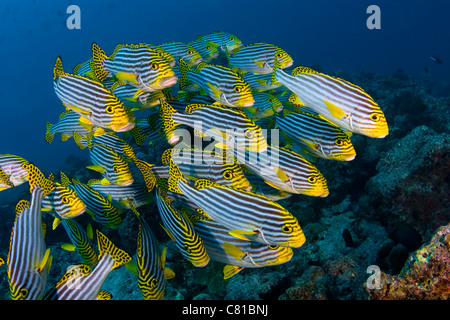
(332, 34)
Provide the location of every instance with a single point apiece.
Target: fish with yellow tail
(81, 282)
(231, 127)
(91, 100)
(339, 101)
(220, 83)
(247, 215)
(180, 229)
(236, 253)
(136, 64)
(28, 261)
(150, 262)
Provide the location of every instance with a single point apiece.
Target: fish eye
(312, 179)
(271, 100)
(249, 134)
(208, 47)
(154, 66)
(273, 247)
(238, 89)
(23, 292)
(190, 52)
(109, 109)
(287, 228)
(231, 38)
(279, 55)
(375, 117)
(228, 174)
(115, 169)
(65, 200)
(153, 283)
(339, 142)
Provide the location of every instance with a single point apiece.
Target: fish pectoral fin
(126, 76)
(335, 111)
(229, 271)
(241, 234)
(168, 273)
(233, 251)
(260, 64)
(281, 174)
(310, 145)
(68, 247)
(132, 267)
(96, 167)
(214, 90)
(44, 260)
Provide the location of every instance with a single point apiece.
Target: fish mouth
(75, 212)
(249, 104)
(298, 242)
(168, 81)
(122, 128)
(290, 63)
(350, 158)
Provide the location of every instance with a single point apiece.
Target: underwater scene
(225, 150)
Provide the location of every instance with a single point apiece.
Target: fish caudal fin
(147, 172)
(48, 136)
(37, 179)
(105, 246)
(98, 57)
(168, 125)
(174, 176)
(184, 68)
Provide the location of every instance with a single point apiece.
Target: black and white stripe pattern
(225, 40)
(316, 90)
(135, 192)
(277, 163)
(257, 217)
(248, 57)
(12, 166)
(94, 102)
(256, 255)
(182, 50)
(181, 231)
(27, 250)
(116, 169)
(64, 201)
(79, 238)
(319, 136)
(207, 50)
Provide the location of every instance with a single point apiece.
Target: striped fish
(5, 183)
(28, 259)
(259, 58)
(79, 238)
(68, 123)
(180, 229)
(266, 105)
(98, 206)
(64, 202)
(317, 135)
(135, 98)
(120, 195)
(249, 216)
(225, 40)
(91, 100)
(13, 170)
(339, 101)
(236, 253)
(163, 53)
(150, 262)
(207, 50)
(220, 83)
(137, 64)
(110, 164)
(80, 282)
(260, 82)
(180, 50)
(198, 163)
(230, 127)
(285, 170)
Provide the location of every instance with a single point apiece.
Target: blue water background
(332, 34)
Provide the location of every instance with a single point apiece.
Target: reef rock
(425, 275)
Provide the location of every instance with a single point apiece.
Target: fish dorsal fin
(193, 106)
(105, 246)
(65, 181)
(303, 70)
(98, 58)
(165, 157)
(146, 171)
(203, 183)
(58, 70)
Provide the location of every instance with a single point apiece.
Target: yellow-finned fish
(137, 64)
(91, 100)
(236, 253)
(220, 83)
(339, 101)
(249, 216)
(28, 258)
(81, 282)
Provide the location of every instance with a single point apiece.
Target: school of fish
(241, 132)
